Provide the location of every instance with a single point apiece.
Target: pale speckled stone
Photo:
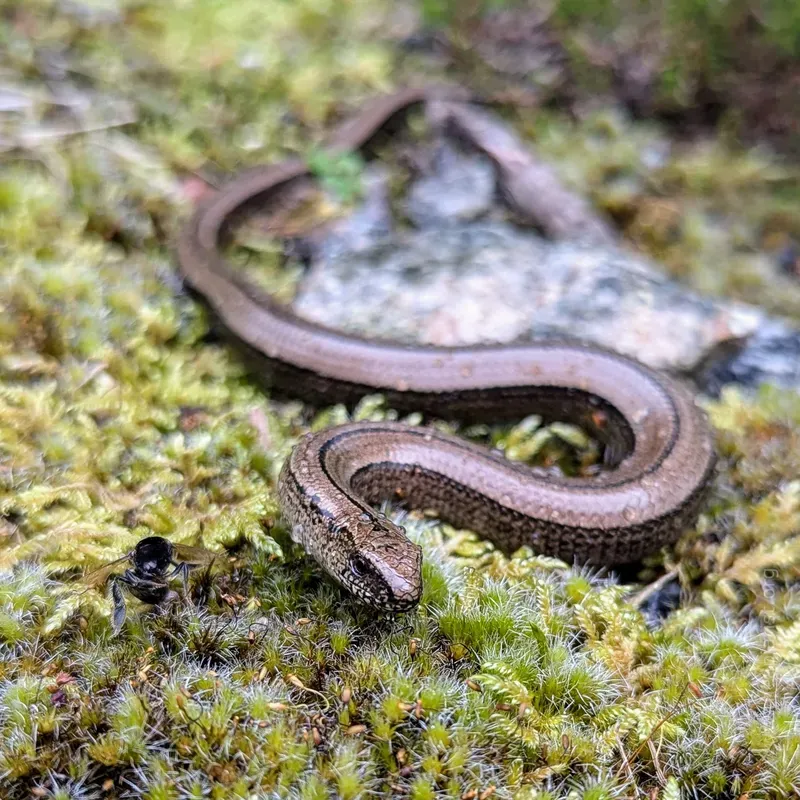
(490, 282)
(459, 188)
(459, 282)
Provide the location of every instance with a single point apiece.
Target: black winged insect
(154, 561)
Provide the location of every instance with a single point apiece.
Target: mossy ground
(121, 417)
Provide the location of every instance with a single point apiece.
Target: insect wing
(102, 574)
(194, 556)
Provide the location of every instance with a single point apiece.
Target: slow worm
(656, 439)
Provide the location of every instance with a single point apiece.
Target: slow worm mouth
(407, 595)
(402, 604)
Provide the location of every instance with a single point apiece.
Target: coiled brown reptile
(658, 440)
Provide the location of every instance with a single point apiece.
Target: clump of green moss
(682, 203)
(754, 566)
(521, 676)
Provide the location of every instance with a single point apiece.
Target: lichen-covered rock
(492, 282)
(452, 282)
(459, 189)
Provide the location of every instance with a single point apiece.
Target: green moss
(682, 203)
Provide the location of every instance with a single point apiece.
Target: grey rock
(456, 281)
(460, 188)
(370, 223)
(770, 355)
(492, 282)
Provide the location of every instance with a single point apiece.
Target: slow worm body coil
(655, 436)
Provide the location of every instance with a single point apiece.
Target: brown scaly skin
(364, 551)
(655, 436)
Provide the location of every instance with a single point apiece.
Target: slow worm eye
(358, 566)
